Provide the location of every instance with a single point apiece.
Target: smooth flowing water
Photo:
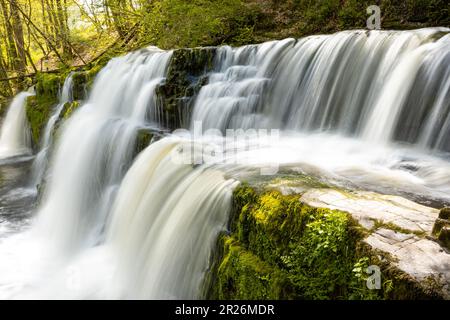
(95, 151)
(15, 134)
(356, 109)
(353, 83)
(41, 160)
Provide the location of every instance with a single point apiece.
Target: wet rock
(187, 73)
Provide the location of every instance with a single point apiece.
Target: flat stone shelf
(398, 227)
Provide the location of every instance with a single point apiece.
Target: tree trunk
(11, 47)
(18, 37)
(63, 28)
(115, 7)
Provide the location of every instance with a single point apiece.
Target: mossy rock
(39, 107)
(49, 84)
(444, 213)
(143, 140)
(38, 110)
(83, 81)
(444, 236)
(69, 108)
(242, 275)
(441, 228)
(187, 73)
(281, 248)
(278, 247)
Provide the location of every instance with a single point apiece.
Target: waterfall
(40, 162)
(95, 149)
(355, 83)
(146, 227)
(15, 134)
(176, 213)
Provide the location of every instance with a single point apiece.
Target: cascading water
(176, 212)
(95, 150)
(341, 101)
(350, 93)
(40, 162)
(353, 82)
(15, 133)
(164, 203)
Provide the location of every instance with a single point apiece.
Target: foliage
(320, 263)
(178, 23)
(244, 276)
(42, 35)
(297, 18)
(38, 111)
(280, 248)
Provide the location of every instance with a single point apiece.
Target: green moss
(3, 105)
(69, 108)
(186, 75)
(40, 106)
(281, 248)
(48, 84)
(38, 110)
(270, 224)
(296, 179)
(178, 23)
(84, 79)
(391, 226)
(444, 213)
(244, 276)
(143, 140)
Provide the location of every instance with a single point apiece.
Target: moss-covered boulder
(299, 243)
(281, 248)
(441, 228)
(143, 140)
(40, 106)
(83, 81)
(243, 275)
(187, 73)
(48, 86)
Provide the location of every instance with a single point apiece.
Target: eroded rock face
(397, 227)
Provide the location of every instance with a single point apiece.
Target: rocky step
(402, 229)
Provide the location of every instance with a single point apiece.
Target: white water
(351, 83)
(95, 150)
(41, 160)
(176, 213)
(15, 131)
(343, 101)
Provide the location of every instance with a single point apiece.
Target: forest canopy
(45, 35)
